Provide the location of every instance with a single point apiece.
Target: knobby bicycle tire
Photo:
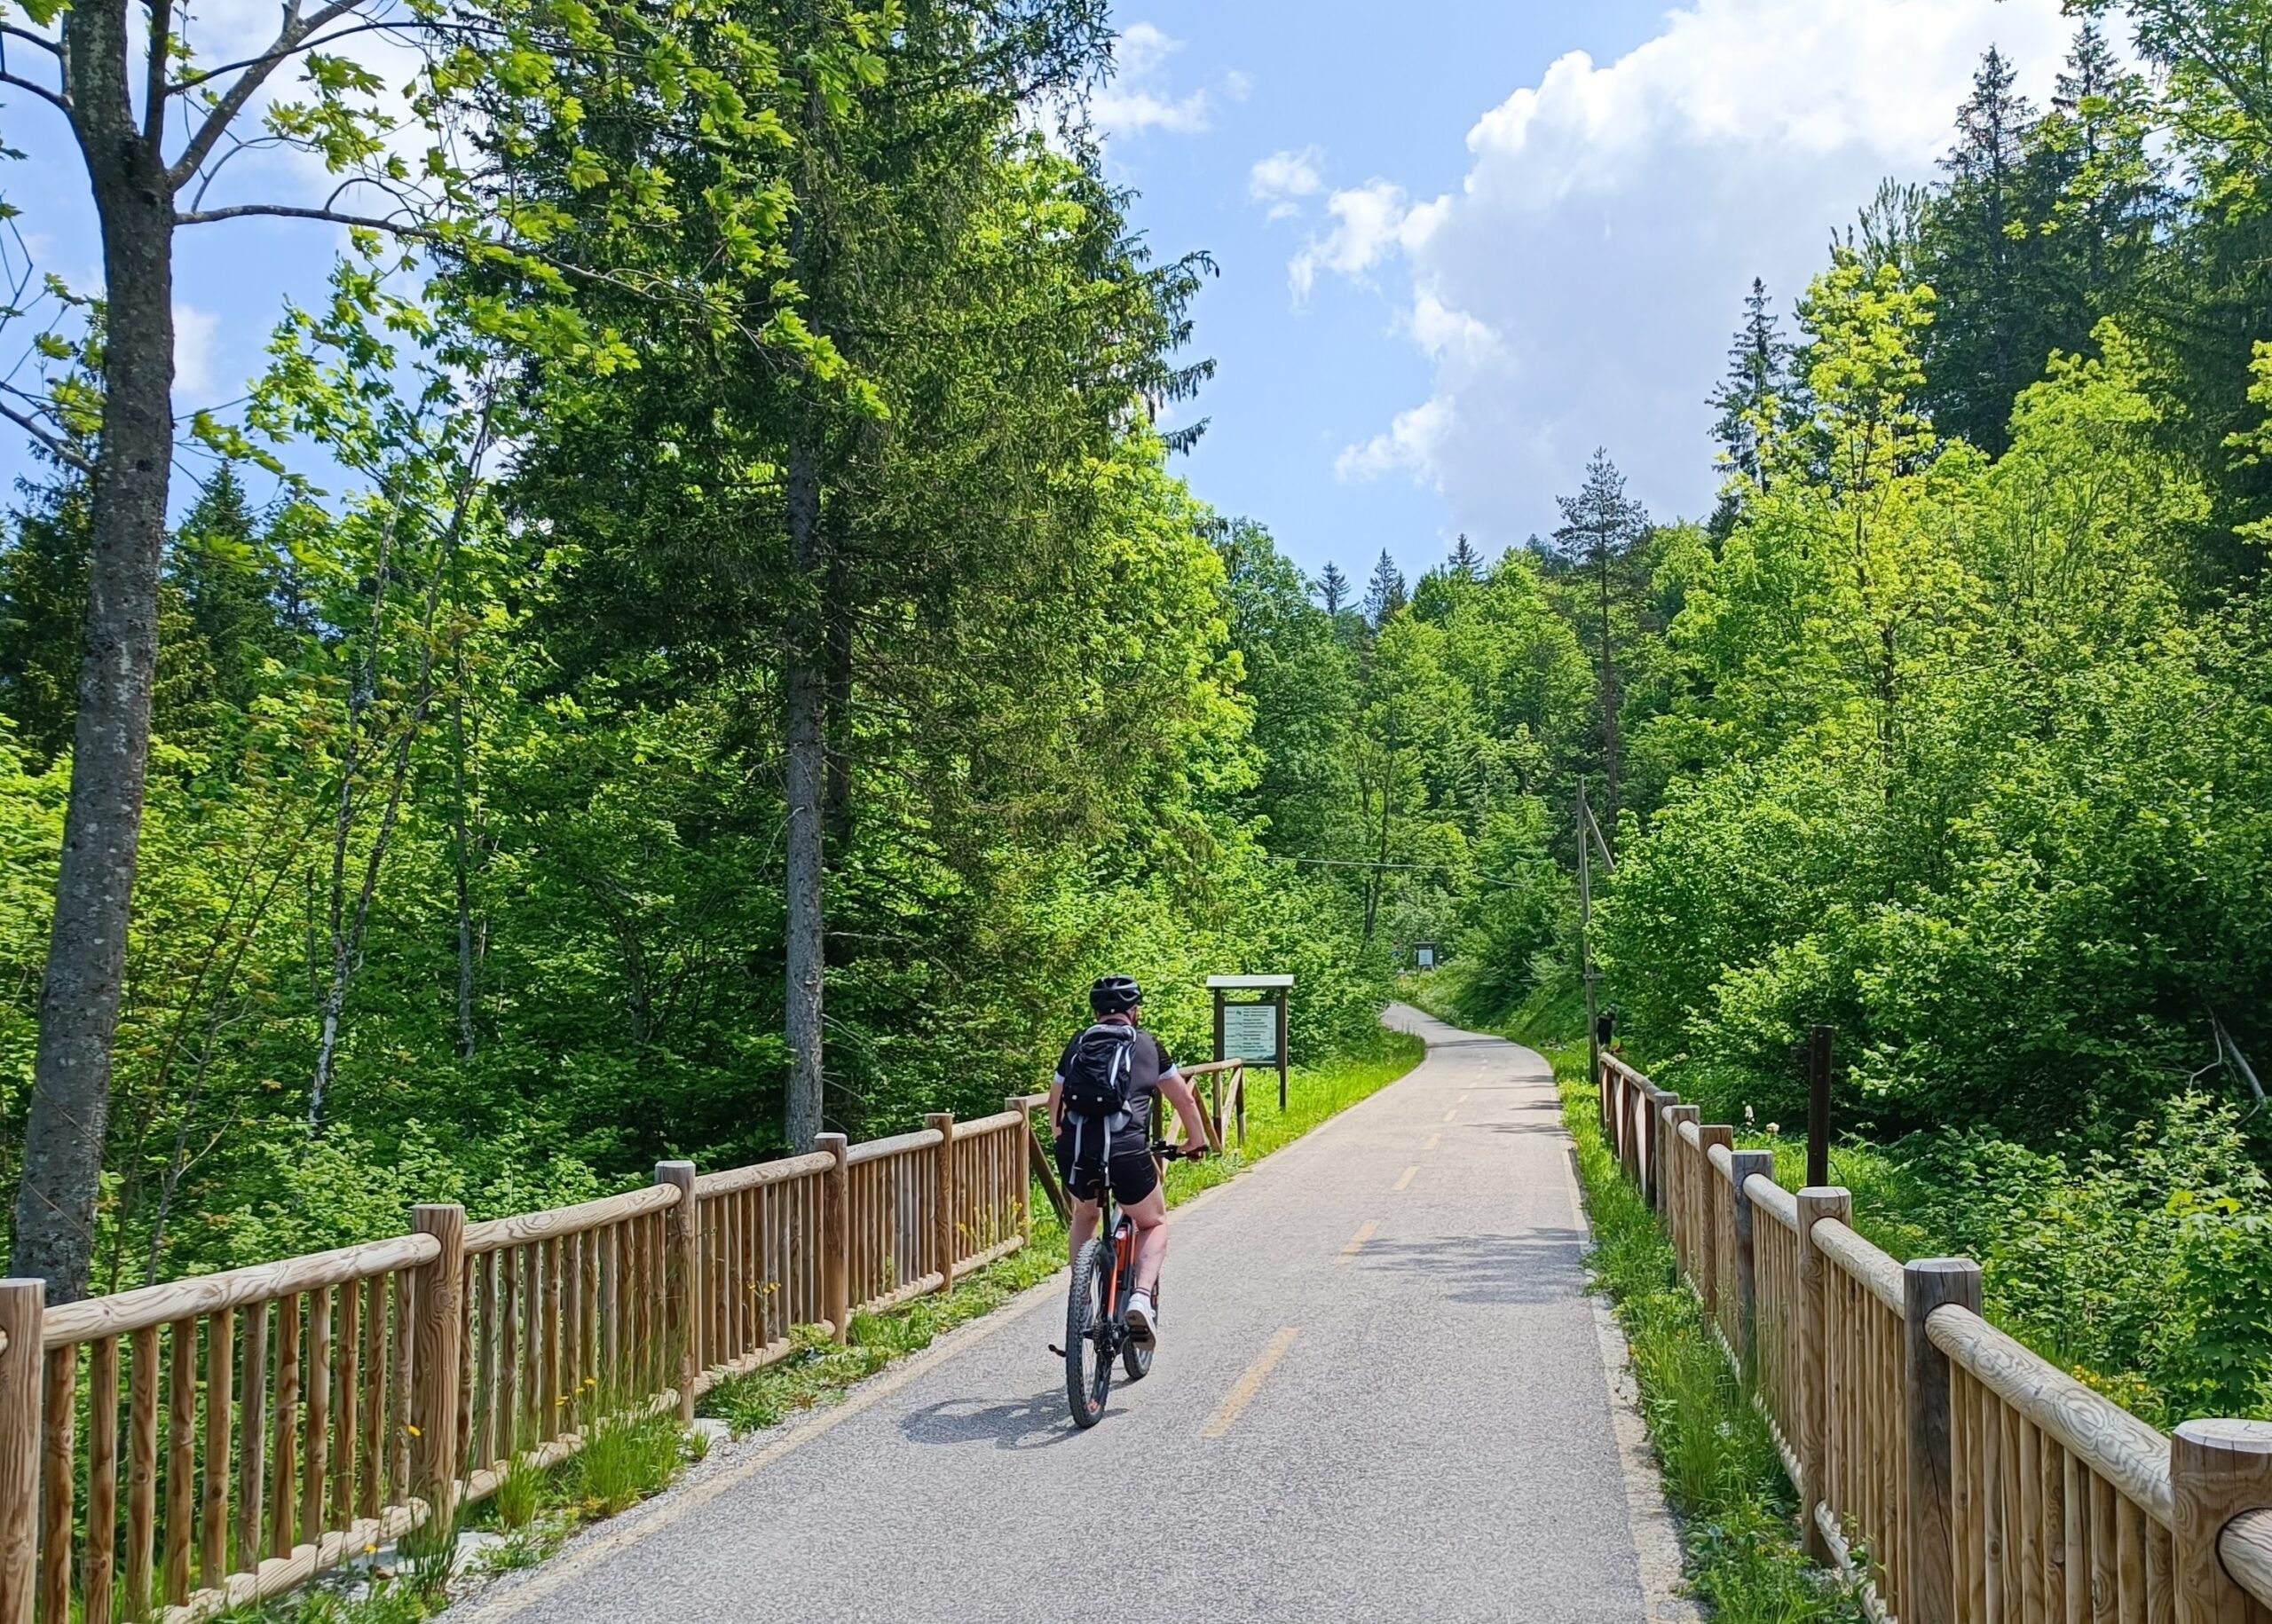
(1088, 1377)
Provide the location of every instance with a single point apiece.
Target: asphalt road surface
(1379, 1394)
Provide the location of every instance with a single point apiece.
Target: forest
(702, 637)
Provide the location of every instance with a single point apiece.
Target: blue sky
(1462, 242)
(1511, 254)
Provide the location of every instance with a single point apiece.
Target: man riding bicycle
(1101, 1113)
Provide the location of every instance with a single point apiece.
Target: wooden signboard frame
(1273, 990)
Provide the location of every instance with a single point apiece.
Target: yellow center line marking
(1409, 1173)
(1250, 1385)
(1363, 1234)
(1434, 1139)
(1452, 1113)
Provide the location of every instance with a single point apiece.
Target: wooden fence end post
(435, 1360)
(2217, 1470)
(1743, 1164)
(23, 1305)
(682, 1273)
(945, 1240)
(1816, 1202)
(1929, 1283)
(836, 1234)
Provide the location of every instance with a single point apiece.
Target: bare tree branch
(53, 99)
(232, 101)
(14, 31)
(60, 449)
(274, 54)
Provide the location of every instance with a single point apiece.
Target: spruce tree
(43, 606)
(1601, 532)
(1465, 560)
(1387, 593)
(1755, 395)
(1333, 589)
(1981, 252)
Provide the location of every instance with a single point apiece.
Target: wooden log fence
(175, 1452)
(1959, 1476)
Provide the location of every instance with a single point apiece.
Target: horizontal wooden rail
(898, 1144)
(2245, 1550)
(1772, 1198)
(96, 1318)
(2100, 1434)
(1868, 1266)
(561, 1222)
(764, 1173)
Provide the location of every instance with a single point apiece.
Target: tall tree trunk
(102, 830)
(1613, 744)
(805, 688)
(836, 611)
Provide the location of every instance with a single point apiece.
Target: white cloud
(1580, 285)
(194, 333)
(1138, 98)
(1283, 176)
(1367, 222)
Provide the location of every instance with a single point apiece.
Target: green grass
(1720, 1465)
(818, 1372)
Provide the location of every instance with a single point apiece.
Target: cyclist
(1098, 1146)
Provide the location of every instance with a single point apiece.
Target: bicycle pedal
(1053, 1348)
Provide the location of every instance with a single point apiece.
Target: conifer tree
(1333, 589)
(1601, 530)
(1465, 560)
(1387, 593)
(1751, 399)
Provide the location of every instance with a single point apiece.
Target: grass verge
(1721, 1469)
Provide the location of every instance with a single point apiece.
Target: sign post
(1252, 1028)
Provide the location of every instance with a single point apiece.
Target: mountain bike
(1096, 1306)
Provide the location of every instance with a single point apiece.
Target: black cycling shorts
(1131, 1173)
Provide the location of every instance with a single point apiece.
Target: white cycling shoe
(1143, 1319)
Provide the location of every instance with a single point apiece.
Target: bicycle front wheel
(1088, 1355)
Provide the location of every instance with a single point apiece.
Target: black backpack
(1098, 1071)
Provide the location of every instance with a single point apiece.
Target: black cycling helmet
(1115, 995)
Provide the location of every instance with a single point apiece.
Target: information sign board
(1250, 1032)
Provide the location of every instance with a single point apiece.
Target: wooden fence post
(943, 1233)
(1744, 1164)
(680, 1283)
(23, 1304)
(1816, 1202)
(1038, 1159)
(2217, 1470)
(836, 1234)
(1928, 1283)
(437, 1343)
(1660, 1182)
(1677, 1199)
(1708, 1284)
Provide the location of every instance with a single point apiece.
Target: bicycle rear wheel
(1088, 1357)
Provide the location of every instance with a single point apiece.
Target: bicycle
(1096, 1334)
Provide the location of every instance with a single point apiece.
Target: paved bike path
(1433, 1440)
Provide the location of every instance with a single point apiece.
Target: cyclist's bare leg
(1151, 1216)
(1084, 1226)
